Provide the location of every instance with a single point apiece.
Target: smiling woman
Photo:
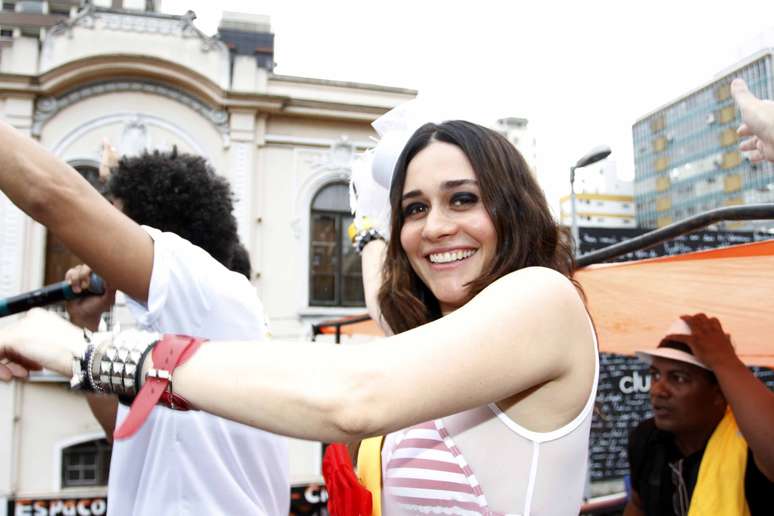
(470, 223)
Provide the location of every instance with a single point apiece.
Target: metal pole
(574, 215)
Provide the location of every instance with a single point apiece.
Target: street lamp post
(596, 154)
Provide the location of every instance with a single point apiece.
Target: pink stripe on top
(427, 474)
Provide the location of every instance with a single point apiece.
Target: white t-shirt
(195, 463)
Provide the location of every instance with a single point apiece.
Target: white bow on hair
(394, 129)
(373, 169)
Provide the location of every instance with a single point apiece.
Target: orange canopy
(633, 303)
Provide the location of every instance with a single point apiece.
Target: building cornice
(342, 84)
(122, 67)
(102, 70)
(48, 106)
(144, 22)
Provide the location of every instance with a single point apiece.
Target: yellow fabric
(369, 470)
(720, 485)
(358, 225)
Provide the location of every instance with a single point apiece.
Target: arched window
(335, 276)
(86, 464)
(58, 258)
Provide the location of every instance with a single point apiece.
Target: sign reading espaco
(58, 507)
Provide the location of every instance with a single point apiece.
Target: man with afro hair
(179, 462)
(179, 193)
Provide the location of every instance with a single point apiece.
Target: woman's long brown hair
(527, 234)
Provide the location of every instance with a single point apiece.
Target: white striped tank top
(543, 473)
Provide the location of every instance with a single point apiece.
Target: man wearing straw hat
(709, 447)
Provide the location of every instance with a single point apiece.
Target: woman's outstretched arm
(526, 329)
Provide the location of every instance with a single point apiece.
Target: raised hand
(86, 311)
(109, 159)
(757, 123)
(708, 341)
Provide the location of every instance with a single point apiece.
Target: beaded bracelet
(363, 237)
(361, 232)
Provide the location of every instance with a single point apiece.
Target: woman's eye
(413, 209)
(461, 199)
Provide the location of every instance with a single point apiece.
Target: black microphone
(53, 293)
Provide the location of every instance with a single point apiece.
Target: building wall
(163, 37)
(686, 156)
(600, 210)
(517, 131)
(52, 418)
(147, 84)
(602, 198)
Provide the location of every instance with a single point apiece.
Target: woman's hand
(40, 339)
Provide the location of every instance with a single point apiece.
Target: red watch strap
(168, 353)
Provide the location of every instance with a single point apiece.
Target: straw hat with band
(674, 347)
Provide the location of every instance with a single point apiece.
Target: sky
(581, 72)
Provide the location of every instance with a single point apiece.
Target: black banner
(308, 500)
(593, 239)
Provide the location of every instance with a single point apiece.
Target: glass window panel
(86, 464)
(323, 259)
(352, 290)
(335, 268)
(324, 288)
(333, 197)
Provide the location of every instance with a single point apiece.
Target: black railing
(657, 236)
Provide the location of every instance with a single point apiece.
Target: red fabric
(168, 353)
(346, 496)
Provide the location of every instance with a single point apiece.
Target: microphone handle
(49, 294)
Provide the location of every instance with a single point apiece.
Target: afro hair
(240, 261)
(179, 193)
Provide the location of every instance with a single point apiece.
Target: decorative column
(241, 166)
(16, 256)
(17, 272)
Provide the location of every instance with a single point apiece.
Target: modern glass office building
(686, 153)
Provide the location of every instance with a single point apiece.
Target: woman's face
(447, 234)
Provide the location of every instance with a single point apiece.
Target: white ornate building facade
(146, 80)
